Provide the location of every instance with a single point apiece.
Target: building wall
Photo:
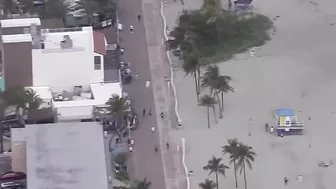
(100, 73)
(66, 114)
(19, 162)
(64, 69)
(17, 64)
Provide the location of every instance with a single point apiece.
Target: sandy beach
(293, 70)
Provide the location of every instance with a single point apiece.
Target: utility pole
(1, 139)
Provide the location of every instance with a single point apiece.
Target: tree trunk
(1, 144)
(196, 87)
(220, 107)
(218, 35)
(244, 174)
(198, 79)
(208, 116)
(222, 101)
(214, 111)
(229, 4)
(217, 180)
(235, 172)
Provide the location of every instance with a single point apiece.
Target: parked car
(12, 185)
(10, 176)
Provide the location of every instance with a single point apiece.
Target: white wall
(66, 114)
(65, 68)
(99, 73)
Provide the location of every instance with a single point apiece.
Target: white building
(67, 59)
(61, 155)
(59, 58)
(64, 66)
(77, 104)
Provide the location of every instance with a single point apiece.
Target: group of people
(299, 178)
(150, 113)
(131, 27)
(271, 129)
(144, 114)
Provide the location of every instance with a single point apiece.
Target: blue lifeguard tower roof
(284, 112)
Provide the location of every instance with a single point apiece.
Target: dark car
(11, 176)
(12, 185)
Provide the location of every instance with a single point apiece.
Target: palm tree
(144, 184)
(210, 80)
(27, 6)
(26, 99)
(9, 7)
(208, 102)
(106, 9)
(91, 7)
(185, 38)
(245, 155)
(191, 65)
(212, 9)
(18, 96)
(231, 149)
(53, 9)
(224, 87)
(229, 4)
(122, 176)
(186, 41)
(117, 109)
(207, 184)
(216, 166)
(217, 84)
(121, 159)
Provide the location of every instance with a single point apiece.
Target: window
(97, 63)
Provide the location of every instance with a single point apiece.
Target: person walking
(167, 144)
(139, 18)
(150, 112)
(286, 180)
(153, 129)
(131, 29)
(143, 112)
(161, 115)
(156, 148)
(266, 127)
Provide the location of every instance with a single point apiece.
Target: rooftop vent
(66, 43)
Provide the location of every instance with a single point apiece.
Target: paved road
(145, 51)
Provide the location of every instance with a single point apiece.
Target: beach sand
(293, 70)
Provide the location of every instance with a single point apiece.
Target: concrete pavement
(145, 51)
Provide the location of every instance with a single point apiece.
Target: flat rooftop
(65, 156)
(22, 22)
(79, 105)
(82, 37)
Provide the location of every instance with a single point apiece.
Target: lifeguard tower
(287, 122)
